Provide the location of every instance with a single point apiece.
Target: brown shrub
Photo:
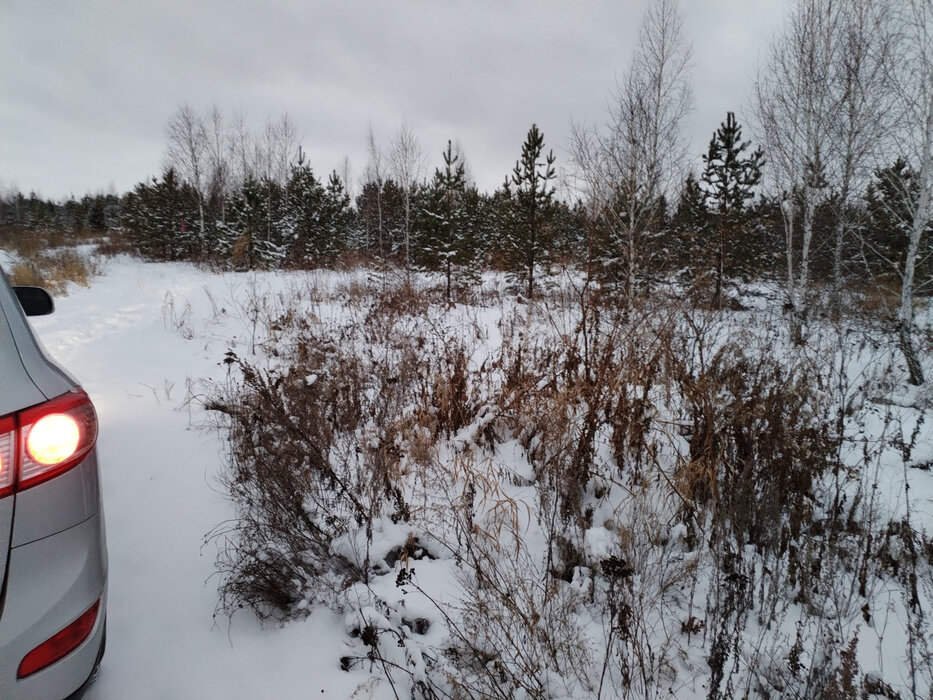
(53, 270)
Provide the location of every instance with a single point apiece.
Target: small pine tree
(298, 223)
(252, 242)
(381, 216)
(889, 200)
(337, 220)
(159, 215)
(445, 241)
(316, 219)
(691, 228)
(729, 177)
(528, 234)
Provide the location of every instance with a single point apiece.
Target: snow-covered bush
(649, 501)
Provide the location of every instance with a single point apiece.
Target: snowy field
(161, 499)
(140, 339)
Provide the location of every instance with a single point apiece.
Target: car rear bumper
(51, 582)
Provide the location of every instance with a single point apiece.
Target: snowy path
(160, 500)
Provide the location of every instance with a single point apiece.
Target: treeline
(447, 225)
(93, 212)
(840, 188)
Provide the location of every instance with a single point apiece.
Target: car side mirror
(34, 300)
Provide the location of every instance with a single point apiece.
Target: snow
(161, 498)
(142, 339)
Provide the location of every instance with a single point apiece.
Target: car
(53, 551)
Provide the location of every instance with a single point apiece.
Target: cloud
(87, 87)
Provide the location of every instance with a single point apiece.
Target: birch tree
(187, 152)
(241, 151)
(627, 166)
(283, 145)
(795, 109)
(218, 150)
(375, 173)
(407, 160)
(913, 77)
(275, 151)
(863, 99)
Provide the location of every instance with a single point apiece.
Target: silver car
(53, 553)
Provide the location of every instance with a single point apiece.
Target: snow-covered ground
(161, 499)
(140, 339)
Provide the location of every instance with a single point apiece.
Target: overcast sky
(87, 86)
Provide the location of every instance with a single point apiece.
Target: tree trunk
(806, 230)
(795, 324)
(720, 267)
(921, 219)
(906, 344)
(201, 220)
(448, 280)
(630, 273)
(842, 220)
(407, 230)
(379, 219)
(531, 276)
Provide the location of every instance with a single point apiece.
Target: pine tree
(889, 200)
(160, 217)
(445, 242)
(300, 222)
(481, 223)
(382, 216)
(691, 227)
(729, 178)
(528, 234)
(251, 241)
(337, 219)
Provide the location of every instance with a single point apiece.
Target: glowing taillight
(53, 439)
(45, 440)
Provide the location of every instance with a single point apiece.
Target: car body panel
(16, 390)
(35, 367)
(60, 575)
(6, 532)
(16, 386)
(52, 539)
(56, 505)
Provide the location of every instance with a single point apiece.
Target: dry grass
(115, 243)
(29, 243)
(702, 448)
(53, 258)
(54, 270)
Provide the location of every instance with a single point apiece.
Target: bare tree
(469, 179)
(283, 144)
(187, 152)
(407, 160)
(375, 173)
(627, 166)
(795, 109)
(344, 172)
(863, 101)
(241, 150)
(913, 77)
(274, 152)
(218, 164)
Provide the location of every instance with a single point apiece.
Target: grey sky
(87, 86)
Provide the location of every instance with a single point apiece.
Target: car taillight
(60, 645)
(7, 454)
(45, 440)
